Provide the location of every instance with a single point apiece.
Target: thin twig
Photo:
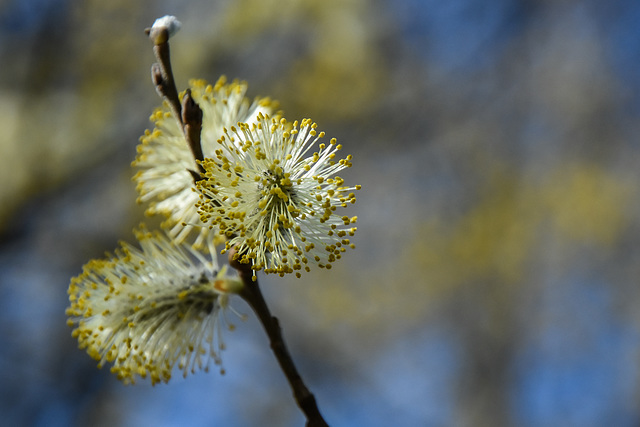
(187, 112)
(161, 73)
(253, 296)
(192, 126)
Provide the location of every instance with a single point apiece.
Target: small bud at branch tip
(163, 28)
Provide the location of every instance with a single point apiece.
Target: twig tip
(163, 28)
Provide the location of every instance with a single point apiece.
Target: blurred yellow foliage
(587, 203)
(583, 203)
(76, 80)
(111, 33)
(340, 73)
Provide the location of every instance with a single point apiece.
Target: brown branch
(192, 126)
(187, 112)
(161, 72)
(253, 296)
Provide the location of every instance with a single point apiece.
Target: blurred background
(496, 277)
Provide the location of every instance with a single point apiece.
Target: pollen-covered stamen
(275, 198)
(146, 310)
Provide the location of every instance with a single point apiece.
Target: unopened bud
(163, 29)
